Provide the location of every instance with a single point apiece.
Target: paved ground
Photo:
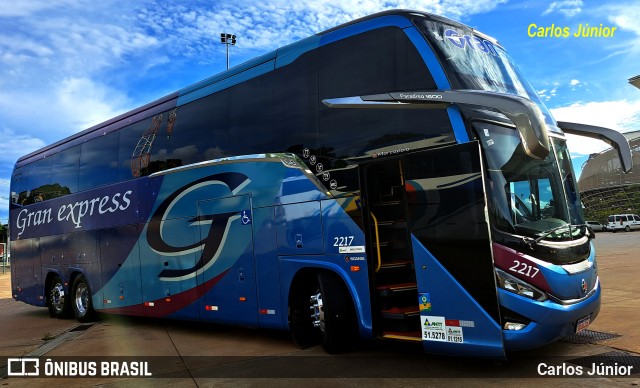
(187, 354)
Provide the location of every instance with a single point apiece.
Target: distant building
(605, 189)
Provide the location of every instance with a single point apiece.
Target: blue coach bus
(393, 177)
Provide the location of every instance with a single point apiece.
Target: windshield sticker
(474, 42)
(486, 132)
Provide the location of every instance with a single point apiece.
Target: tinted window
(65, 171)
(636, 218)
(277, 111)
(129, 156)
(379, 61)
(39, 181)
(199, 132)
(19, 186)
(99, 161)
(253, 117)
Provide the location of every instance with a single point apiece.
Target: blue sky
(66, 65)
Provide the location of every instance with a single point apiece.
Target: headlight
(517, 286)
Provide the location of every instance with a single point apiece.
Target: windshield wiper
(532, 242)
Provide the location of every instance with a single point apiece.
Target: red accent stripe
(162, 308)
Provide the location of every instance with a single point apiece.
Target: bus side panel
(271, 310)
(118, 253)
(25, 257)
(234, 298)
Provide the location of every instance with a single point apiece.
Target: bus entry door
(457, 295)
(227, 274)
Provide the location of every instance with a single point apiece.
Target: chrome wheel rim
(82, 299)
(57, 297)
(317, 311)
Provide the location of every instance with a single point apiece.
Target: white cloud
(547, 94)
(15, 145)
(72, 104)
(574, 82)
(620, 115)
(627, 18)
(568, 8)
(28, 7)
(194, 31)
(88, 102)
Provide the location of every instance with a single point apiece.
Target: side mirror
(614, 138)
(523, 112)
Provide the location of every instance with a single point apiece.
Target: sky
(66, 65)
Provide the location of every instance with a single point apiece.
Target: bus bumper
(550, 321)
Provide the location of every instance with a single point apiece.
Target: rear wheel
(81, 300)
(57, 300)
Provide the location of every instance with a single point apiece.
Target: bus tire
(81, 300)
(57, 299)
(304, 334)
(334, 311)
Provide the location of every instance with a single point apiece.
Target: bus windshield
(476, 62)
(530, 197)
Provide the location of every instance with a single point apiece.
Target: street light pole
(227, 39)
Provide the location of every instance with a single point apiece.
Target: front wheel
(321, 311)
(333, 314)
(627, 228)
(81, 300)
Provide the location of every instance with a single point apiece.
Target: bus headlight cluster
(517, 286)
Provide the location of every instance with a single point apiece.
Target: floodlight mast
(227, 39)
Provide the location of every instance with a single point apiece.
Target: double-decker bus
(393, 177)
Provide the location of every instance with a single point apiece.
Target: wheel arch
(303, 272)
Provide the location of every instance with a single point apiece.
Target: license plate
(583, 323)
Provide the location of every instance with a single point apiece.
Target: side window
(39, 188)
(284, 115)
(132, 137)
(19, 187)
(379, 61)
(99, 161)
(64, 178)
(637, 218)
(199, 132)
